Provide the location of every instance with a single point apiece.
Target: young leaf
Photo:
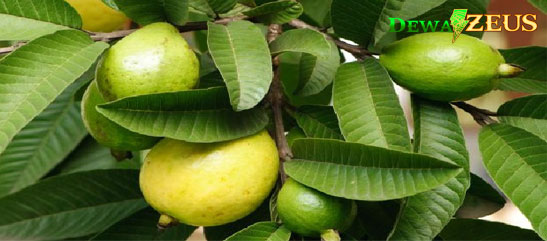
(515, 159)
(262, 231)
(241, 53)
(142, 226)
(368, 107)
(476, 229)
(221, 6)
(318, 122)
(481, 200)
(360, 172)
(31, 82)
(200, 115)
(43, 143)
(302, 40)
(71, 205)
(317, 73)
(438, 134)
(534, 60)
(527, 113)
(26, 20)
(279, 12)
(145, 12)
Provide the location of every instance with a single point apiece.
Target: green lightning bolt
(458, 22)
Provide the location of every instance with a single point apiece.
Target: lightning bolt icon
(458, 22)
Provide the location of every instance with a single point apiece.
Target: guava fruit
(309, 212)
(153, 59)
(107, 132)
(98, 17)
(433, 67)
(209, 184)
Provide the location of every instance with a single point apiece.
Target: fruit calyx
(510, 70)
(166, 221)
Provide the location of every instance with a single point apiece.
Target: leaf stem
(481, 116)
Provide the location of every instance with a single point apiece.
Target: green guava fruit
(105, 131)
(309, 212)
(153, 59)
(433, 67)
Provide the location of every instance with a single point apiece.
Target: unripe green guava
(105, 131)
(433, 67)
(153, 59)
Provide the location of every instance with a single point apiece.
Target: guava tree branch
(481, 116)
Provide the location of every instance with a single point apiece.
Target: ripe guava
(98, 17)
(153, 59)
(309, 212)
(209, 184)
(433, 67)
(105, 131)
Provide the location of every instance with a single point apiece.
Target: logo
(462, 21)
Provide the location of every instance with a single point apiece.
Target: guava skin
(107, 132)
(98, 17)
(309, 212)
(153, 59)
(433, 67)
(209, 184)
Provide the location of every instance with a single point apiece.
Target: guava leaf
(30, 82)
(481, 200)
(146, 12)
(142, 226)
(279, 12)
(534, 60)
(437, 133)
(318, 122)
(70, 205)
(29, 19)
(523, 85)
(44, 142)
(316, 13)
(176, 11)
(302, 40)
(221, 6)
(200, 115)
(527, 113)
(368, 107)
(539, 4)
(515, 159)
(262, 231)
(317, 73)
(476, 229)
(361, 172)
(241, 53)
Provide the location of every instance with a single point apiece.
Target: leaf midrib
(394, 168)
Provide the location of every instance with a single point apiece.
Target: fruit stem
(510, 70)
(166, 221)
(330, 235)
(481, 116)
(120, 155)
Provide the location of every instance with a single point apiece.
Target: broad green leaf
(200, 115)
(476, 229)
(523, 85)
(481, 200)
(279, 12)
(539, 4)
(29, 19)
(145, 12)
(221, 6)
(316, 13)
(43, 143)
(534, 60)
(29, 81)
(270, 231)
(515, 159)
(71, 205)
(527, 113)
(318, 122)
(261, 214)
(361, 172)
(437, 133)
(302, 40)
(368, 107)
(391, 9)
(237, 11)
(142, 226)
(241, 54)
(317, 73)
(414, 8)
(293, 134)
(201, 6)
(176, 11)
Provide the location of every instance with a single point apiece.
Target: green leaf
(111, 4)
(26, 19)
(534, 60)
(222, 6)
(438, 134)
(481, 200)
(71, 205)
(30, 82)
(176, 11)
(368, 107)
(476, 229)
(539, 4)
(316, 13)
(201, 6)
(318, 122)
(527, 113)
(145, 12)
(241, 53)
(142, 226)
(317, 73)
(200, 115)
(515, 159)
(361, 172)
(279, 12)
(302, 40)
(43, 143)
(270, 231)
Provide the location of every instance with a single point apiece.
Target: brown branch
(481, 116)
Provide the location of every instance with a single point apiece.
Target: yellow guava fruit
(97, 17)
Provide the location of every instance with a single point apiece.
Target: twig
(481, 116)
